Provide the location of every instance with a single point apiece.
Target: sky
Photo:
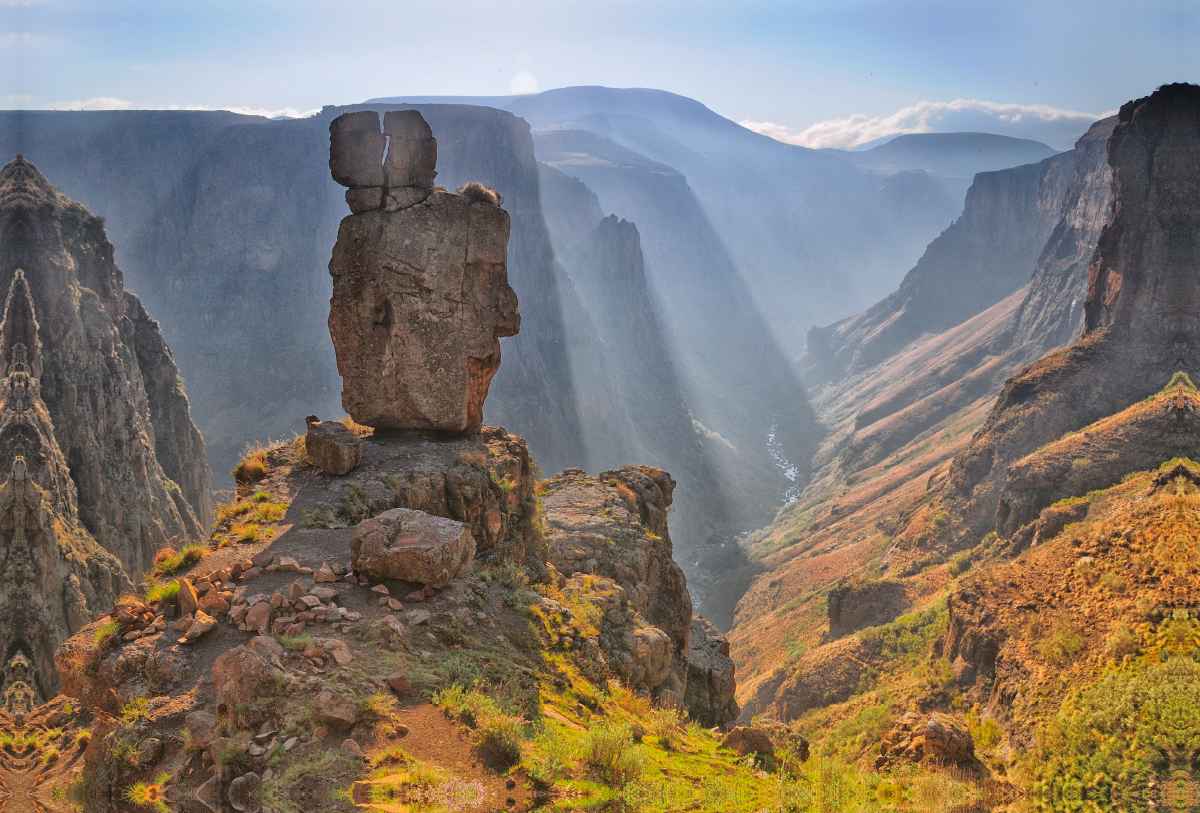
(820, 74)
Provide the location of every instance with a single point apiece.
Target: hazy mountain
(951, 159)
(812, 236)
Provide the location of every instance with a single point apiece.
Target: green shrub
(163, 592)
(664, 725)
(108, 633)
(961, 563)
(550, 758)
(1121, 641)
(612, 754)
(1064, 642)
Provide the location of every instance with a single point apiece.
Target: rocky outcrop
(615, 526)
(1141, 437)
(80, 432)
(56, 577)
(485, 481)
(856, 605)
(940, 739)
(93, 338)
(420, 284)
(711, 693)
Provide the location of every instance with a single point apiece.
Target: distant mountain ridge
(951, 158)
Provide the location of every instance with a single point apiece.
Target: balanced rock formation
(420, 281)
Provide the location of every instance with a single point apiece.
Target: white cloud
(98, 103)
(523, 84)
(1057, 127)
(12, 39)
(290, 112)
(14, 98)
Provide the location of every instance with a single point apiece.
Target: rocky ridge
(89, 336)
(1140, 324)
(86, 502)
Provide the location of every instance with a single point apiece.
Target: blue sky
(819, 73)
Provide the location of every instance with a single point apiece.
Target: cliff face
(1052, 313)
(91, 380)
(1142, 313)
(604, 259)
(986, 255)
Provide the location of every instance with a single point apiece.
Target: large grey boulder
(411, 546)
(711, 680)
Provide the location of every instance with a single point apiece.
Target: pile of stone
(137, 619)
(292, 612)
(938, 738)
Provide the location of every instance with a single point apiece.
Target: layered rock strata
(420, 282)
(1141, 324)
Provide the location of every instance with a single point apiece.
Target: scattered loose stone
(333, 709)
(399, 683)
(202, 623)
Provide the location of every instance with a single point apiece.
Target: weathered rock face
(411, 546)
(615, 526)
(1052, 313)
(939, 738)
(92, 413)
(1144, 272)
(856, 605)
(108, 423)
(485, 481)
(420, 284)
(711, 690)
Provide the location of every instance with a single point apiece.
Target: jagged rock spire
(19, 329)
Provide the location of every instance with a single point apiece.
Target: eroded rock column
(420, 281)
